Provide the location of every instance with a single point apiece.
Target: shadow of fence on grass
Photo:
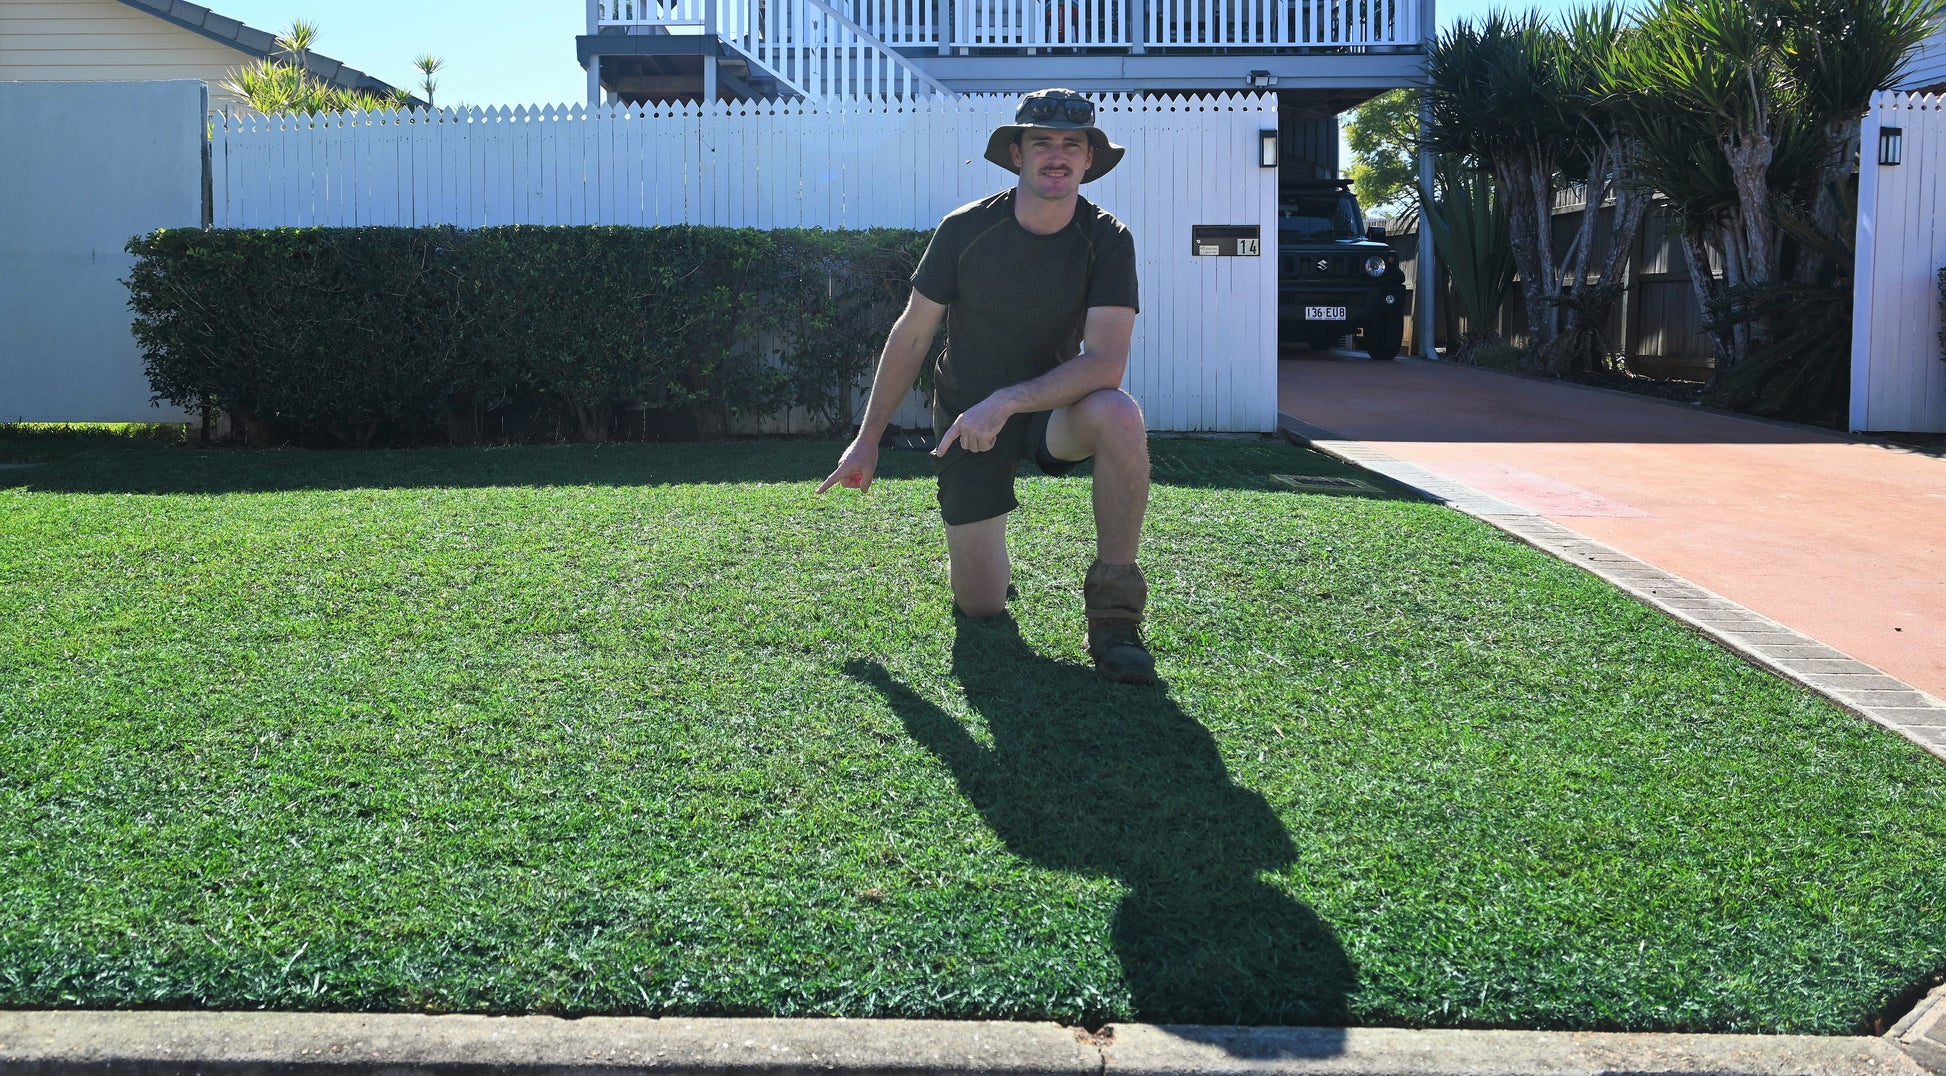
(239, 470)
(1183, 463)
(1111, 780)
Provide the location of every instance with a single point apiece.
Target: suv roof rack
(1338, 184)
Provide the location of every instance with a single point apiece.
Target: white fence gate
(1204, 356)
(1898, 381)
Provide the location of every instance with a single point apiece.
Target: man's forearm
(898, 370)
(1065, 384)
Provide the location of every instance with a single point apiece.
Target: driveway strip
(1849, 683)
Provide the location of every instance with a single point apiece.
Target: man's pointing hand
(978, 429)
(856, 467)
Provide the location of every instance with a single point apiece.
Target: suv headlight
(1375, 265)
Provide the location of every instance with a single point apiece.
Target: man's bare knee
(980, 610)
(980, 599)
(1115, 417)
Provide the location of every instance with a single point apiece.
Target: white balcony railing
(1053, 24)
(1042, 23)
(1281, 23)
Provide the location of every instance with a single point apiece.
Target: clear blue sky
(500, 52)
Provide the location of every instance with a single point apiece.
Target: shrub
(334, 335)
(1498, 356)
(836, 295)
(320, 331)
(602, 317)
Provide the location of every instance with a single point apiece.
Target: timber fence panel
(415, 157)
(340, 147)
(449, 170)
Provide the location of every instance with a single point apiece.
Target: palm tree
(428, 65)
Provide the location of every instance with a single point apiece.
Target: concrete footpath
(237, 1044)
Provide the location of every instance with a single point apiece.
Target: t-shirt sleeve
(1114, 279)
(937, 277)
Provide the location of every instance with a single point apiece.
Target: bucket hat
(1057, 110)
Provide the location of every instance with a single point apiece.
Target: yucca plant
(1498, 95)
(283, 83)
(1842, 52)
(1524, 97)
(1468, 219)
(1746, 114)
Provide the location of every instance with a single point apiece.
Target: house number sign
(1225, 240)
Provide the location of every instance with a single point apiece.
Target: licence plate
(1324, 313)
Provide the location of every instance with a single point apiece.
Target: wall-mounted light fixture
(1262, 79)
(1891, 144)
(1267, 148)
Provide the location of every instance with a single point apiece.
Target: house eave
(589, 46)
(254, 43)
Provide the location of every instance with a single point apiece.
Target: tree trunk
(1828, 210)
(1750, 152)
(1703, 283)
(1529, 231)
(594, 421)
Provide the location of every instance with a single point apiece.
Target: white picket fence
(1204, 353)
(1898, 381)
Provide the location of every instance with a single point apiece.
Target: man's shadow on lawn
(1106, 779)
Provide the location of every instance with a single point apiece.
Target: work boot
(1115, 595)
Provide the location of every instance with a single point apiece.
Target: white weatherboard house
(750, 113)
(141, 40)
(1310, 60)
(1320, 57)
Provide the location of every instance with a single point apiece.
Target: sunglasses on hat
(1042, 109)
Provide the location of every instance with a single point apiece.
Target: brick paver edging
(1850, 683)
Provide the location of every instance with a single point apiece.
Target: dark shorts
(980, 485)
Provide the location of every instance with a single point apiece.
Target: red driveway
(1840, 538)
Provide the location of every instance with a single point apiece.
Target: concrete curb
(1851, 684)
(152, 1043)
(1922, 1033)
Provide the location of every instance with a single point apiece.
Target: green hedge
(415, 335)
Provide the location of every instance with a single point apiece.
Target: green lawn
(652, 729)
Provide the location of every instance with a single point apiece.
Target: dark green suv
(1334, 277)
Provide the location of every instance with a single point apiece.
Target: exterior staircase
(755, 50)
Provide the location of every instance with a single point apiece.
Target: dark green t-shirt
(1017, 302)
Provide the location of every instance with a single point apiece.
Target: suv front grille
(1319, 266)
(1351, 301)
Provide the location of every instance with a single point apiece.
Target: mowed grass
(652, 729)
